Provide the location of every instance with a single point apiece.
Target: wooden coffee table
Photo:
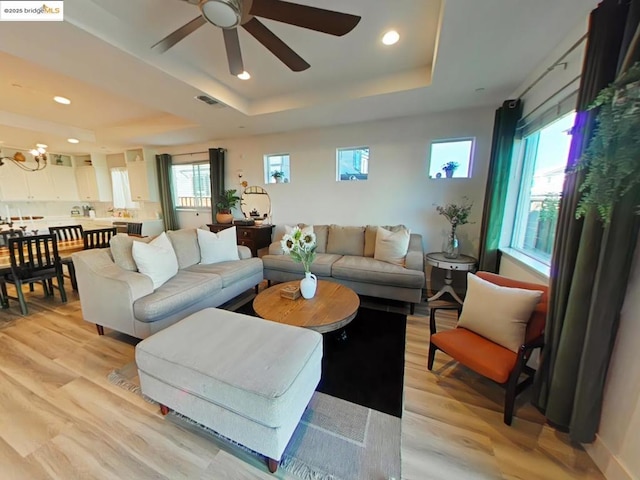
(332, 307)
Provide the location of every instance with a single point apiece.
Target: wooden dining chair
(64, 234)
(7, 234)
(98, 238)
(34, 259)
(134, 228)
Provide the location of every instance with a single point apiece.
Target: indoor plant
(227, 201)
(449, 168)
(457, 215)
(278, 176)
(301, 247)
(612, 160)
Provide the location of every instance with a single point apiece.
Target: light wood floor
(60, 417)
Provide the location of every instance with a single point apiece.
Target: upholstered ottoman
(246, 378)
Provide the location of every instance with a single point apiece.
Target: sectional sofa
(346, 255)
(114, 294)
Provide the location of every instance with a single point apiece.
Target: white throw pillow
(218, 247)
(156, 259)
(392, 247)
(497, 313)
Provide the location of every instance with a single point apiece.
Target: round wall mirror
(256, 204)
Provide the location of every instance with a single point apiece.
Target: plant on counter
(449, 168)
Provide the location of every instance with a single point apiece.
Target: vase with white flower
(457, 215)
(301, 247)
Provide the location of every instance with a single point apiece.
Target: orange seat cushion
(479, 354)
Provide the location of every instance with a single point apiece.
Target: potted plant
(449, 168)
(227, 201)
(278, 176)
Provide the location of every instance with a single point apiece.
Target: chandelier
(39, 155)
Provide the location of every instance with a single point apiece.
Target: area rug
(335, 439)
(367, 367)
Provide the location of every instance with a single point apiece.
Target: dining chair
(7, 234)
(34, 259)
(134, 228)
(64, 234)
(98, 238)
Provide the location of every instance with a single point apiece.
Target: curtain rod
(554, 65)
(191, 153)
(527, 120)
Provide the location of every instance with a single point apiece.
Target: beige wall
(398, 189)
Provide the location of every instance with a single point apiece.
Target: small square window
(451, 158)
(352, 163)
(277, 168)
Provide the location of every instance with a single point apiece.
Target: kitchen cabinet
(20, 185)
(93, 184)
(143, 178)
(65, 186)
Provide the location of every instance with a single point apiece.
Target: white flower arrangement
(301, 246)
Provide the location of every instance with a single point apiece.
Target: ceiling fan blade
(170, 40)
(234, 56)
(276, 46)
(318, 19)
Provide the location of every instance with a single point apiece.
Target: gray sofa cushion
(321, 266)
(121, 250)
(178, 293)
(345, 240)
(232, 271)
(370, 235)
(369, 270)
(185, 244)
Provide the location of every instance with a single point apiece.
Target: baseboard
(608, 463)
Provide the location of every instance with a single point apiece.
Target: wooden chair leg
(412, 308)
(23, 304)
(432, 356)
(72, 276)
(273, 465)
(63, 294)
(100, 329)
(31, 287)
(4, 295)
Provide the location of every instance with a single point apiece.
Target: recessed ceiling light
(42, 145)
(390, 37)
(62, 100)
(244, 76)
(73, 140)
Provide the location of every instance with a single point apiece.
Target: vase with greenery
(226, 202)
(457, 214)
(449, 168)
(278, 176)
(612, 160)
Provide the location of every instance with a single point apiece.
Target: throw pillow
(156, 259)
(497, 313)
(370, 233)
(391, 247)
(121, 246)
(185, 244)
(346, 240)
(218, 247)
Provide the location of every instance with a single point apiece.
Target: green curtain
(495, 197)
(591, 262)
(163, 162)
(216, 164)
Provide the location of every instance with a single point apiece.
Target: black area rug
(368, 367)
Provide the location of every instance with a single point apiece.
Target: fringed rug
(335, 440)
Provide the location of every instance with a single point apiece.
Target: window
(120, 189)
(276, 168)
(353, 163)
(544, 158)
(191, 185)
(451, 158)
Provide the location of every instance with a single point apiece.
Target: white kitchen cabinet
(143, 178)
(64, 182)
(20, 185)
(93, 184)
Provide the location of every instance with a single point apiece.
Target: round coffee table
(332, 307)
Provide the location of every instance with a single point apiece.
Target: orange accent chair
(489, 359)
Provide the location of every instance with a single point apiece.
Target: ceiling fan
(230, 14)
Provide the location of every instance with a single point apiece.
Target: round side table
(463, 263)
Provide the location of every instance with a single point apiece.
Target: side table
(463, 263)
(254, 236)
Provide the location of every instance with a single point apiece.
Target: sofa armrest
(107, 292)
(275, 249)
(244, 252)
(415, 254)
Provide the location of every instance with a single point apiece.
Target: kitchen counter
(149, 226)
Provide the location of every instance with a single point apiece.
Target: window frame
(472, 152)
(361, 147)
(203, 205)
(267, 168)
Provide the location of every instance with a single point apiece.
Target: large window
(192, 185)
(544, 158)
(353, 163)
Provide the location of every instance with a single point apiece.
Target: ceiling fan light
(221, 13)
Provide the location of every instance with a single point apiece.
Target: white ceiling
(124, 94)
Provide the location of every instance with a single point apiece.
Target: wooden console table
(254, 237)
